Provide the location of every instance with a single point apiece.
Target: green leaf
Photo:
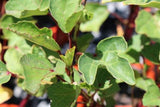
(84, 41)
(107, 55)
(109, 91)
(13, 39)
(4, 76)
(77, 76)
(27, 8)
(66, 13)
(38, 51)
(110, 102)
(31, 32)
(103, 79)
(62, 94)
(35, 69)
(138, 42)
(143, 3)
(58, 68)
(100, 14)
(12, 58)
(144, 83)
(152, 96)
(106, 1)
(151, 27)
(69, 55)
(131, 55)
(151, 52)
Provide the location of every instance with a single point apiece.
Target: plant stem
(85, 95)
(70, 40)
(123, 21)
(131, 22)
(24, 101)
(132, 96)
(84, 2)
(60, 78)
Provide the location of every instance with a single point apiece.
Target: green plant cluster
(35, 58)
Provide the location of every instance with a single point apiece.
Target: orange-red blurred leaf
(8, 105)
(60, 37)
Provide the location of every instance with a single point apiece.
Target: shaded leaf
(66, 13)
(84, 41)
(109, 91)
(27, 8)
(100, 14)
(62, 92)
(107, 55)
(4, 76)
(103, 80)
(30, 32)
(151, 52)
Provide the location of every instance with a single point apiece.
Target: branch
(24, 101)
(131, 22)
(70, 40)
(83, 2)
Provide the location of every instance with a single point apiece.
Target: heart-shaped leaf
(107, 55)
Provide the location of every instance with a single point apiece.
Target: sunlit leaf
(66, 13)
(107, 55)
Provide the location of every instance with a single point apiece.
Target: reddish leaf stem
(4, 43)
(60, 78)
(24, 101)
(83, 2)
(131, 22)
(122, 20)
(70, 40)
